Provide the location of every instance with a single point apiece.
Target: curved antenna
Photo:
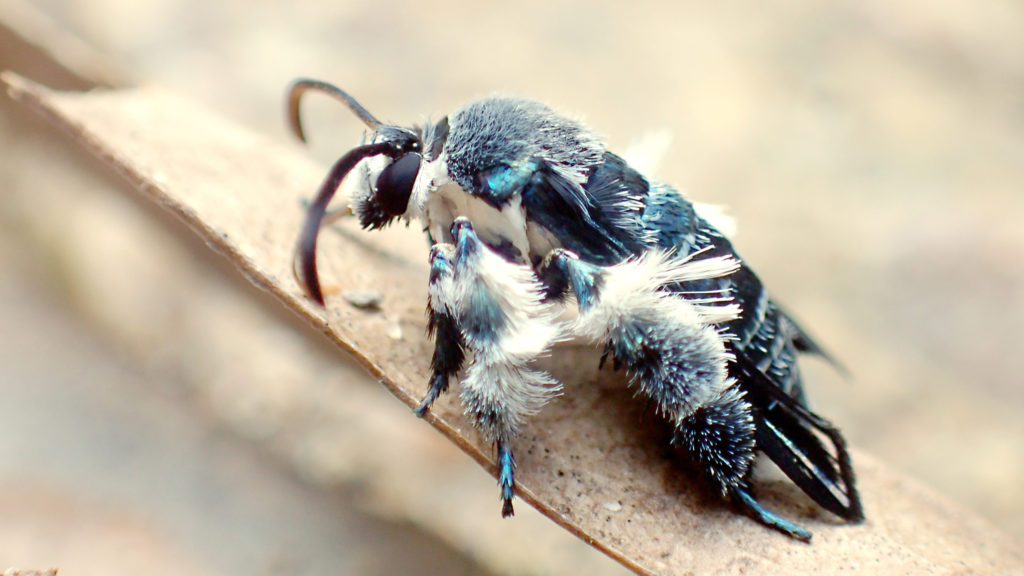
(305, 253)
(300, 86)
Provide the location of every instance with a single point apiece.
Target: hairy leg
(672, 349)
(449, 348)
(504, 323)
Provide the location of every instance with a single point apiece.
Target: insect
(526, 212)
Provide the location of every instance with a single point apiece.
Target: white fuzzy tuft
(633, 288)
(441, 292)
(500, 396)
(500, 388)
(532, 323)
(432, 175)
(358, 187)
(692, 357)
(666, 268)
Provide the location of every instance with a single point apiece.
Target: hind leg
(720, 437)
(671, 348)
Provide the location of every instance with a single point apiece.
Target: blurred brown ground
(872, 154)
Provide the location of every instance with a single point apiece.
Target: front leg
(505, 323)
(449, 349)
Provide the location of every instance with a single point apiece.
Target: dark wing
(806, 447)
(618, 214)
(600, 220)
(804, 343)
(764, 334)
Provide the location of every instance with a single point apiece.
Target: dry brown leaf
(590, 461)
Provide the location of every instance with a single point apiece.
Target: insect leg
(505, 325)
(720, 436)
(672, 349)
(449, 349)
(745, 500)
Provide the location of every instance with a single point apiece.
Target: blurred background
(156, 416)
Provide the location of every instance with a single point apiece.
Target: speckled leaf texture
(592, 461)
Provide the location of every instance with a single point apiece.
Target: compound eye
(394, 185)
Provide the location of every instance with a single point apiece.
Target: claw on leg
(506, 477)
(438, 385)
(749, 505)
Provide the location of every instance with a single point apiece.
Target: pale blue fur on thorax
(492, 132)
(504, 130)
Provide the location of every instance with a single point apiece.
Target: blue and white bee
(524, 208)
